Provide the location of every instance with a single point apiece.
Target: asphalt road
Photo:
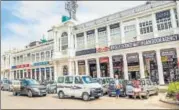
(51, 101)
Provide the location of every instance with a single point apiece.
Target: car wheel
(15, 93)
(109, 95)
(97, 97)
(85, 96)
(130, 96)
(29, 93)
(45, 95)
(61, 95)
(147, 95)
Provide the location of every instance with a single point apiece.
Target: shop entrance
(104, 67)
(92, 68)
(169, 62)
(118, 66)
(133, 66)
(81, 67)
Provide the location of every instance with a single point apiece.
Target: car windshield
(32, 82)
(88, 79)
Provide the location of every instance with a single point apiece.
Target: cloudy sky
(26, 21)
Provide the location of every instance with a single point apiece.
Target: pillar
(111, 67)
(141, 62)
(45, 73)
(137, 29)
(109, 35)
(40, 74)
(98, 68)
(160, 68)
(76, 66)
(154, 23)
(173, 19)
(86, 67)
(55, 71)
(122, 33)
(50, 73)
(125, 67)
(70, 68)
(96, 36)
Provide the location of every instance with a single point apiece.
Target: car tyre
(29, 93)
(61, 95)
(85, 96)
(15, 93)
(130, 96)
(97, 97)
(45, 95)
(109, 95)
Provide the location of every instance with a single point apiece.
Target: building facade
(136, 43)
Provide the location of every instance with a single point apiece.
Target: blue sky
(26, 21)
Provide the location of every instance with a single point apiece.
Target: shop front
(15, 74)
(37, 74)
(92, 68)
(48, 73)
(150, 66)
(33, 73)
(29, 74)
(104, 66)
(81, 67)
(65, 70)
(133, 66)
(21, 74)
(52, 72)
(118, 66)
(42, 74)
(169, 62)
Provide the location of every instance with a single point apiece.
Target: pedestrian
(117, 85)
(137, 89)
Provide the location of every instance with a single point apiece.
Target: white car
(80, 86)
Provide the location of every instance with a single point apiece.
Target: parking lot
(51, 101)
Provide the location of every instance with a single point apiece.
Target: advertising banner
(134, 68)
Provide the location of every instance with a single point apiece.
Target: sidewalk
(167, 100)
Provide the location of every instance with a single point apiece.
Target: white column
(40, 74)
(173, 19)
(45, 73)
(85, 37)
(55, 71)
(137, 29)
(141, 62)
(160, 67)
(109, 35)
(35, 74)
(96, 36)
(76, 66)
(126, 76)
(177, 50)
(122, 32)
(154, 23)
(111, 67)
(31, 74)
(22, 73)
(98, 68)
(86, 67)
(50, 73)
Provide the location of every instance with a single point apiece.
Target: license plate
(99, 94)
(43, 91)
(113, 92)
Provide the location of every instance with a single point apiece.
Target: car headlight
(36, 89)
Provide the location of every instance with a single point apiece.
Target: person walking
(137, 89)
(117, 85)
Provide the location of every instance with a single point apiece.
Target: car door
(149, 87)
(78, 86)
(68, 85)
(23, 87)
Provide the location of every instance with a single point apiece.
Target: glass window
(176, 17)
(51, 53)
(33, 57)
(87, 79)
(80, 43)
(130, 32)
(102, 38)
(37, 57)
(146, 27)
(64, 41)
(42, 56)
(78, 80)
(69, 80)
(91, 41)
(115, 34)
(61, 80)
(47, 55)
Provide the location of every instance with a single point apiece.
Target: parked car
(5, 86)
(52, 87)
(80, 86)
(112, 88)
(147, 88)
(104, 82)
(29, 87)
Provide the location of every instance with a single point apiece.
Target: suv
(147, 88)
(29, 87)
(80, 86)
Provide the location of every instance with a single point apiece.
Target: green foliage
(173, 89)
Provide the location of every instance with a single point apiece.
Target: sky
(25, 21)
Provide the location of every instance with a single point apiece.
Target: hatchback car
(29, 87)
(6, 85)
(147, 88)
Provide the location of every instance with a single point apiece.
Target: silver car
(6, 85)
(147, 88)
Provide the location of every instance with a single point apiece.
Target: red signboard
(104, 60)
(22, 66)
(105, 49)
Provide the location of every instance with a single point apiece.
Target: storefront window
(115, 33)
(118, 66)
(52, 71)
(65, 70)
(104, 66)
(81, 67)
(150, 66)
(48, 73)
(21, 74)
(42, 74)
(64, 41)
(18, 74)
(15, 75)
(42, 56)
(33, 73)
(29, 75)
(25, 75)
(80, 41)
(169, 62)
(163, 20)
(91, 41)
(133, 66)
(102, 37)
(37, 74)
(92, 68)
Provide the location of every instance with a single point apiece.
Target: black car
(30, 87)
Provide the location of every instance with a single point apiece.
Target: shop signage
(163, 14)
(114, 26)
(104, 60)
(168, 53)
(105, 49)
(20, 66)
(149, 55)
(101, 29)
(80, 35)
(91, 61)
(90, 32)
(41, 63)
(117, 58)
(81, 62)
(133, 68)
(158, 40)
(164, 58)
(132, 58)
(85, 52)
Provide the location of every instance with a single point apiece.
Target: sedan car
(147, 88)
(30, 88)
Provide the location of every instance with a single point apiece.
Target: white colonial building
(136, 43)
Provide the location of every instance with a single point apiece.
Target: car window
(103, 81)
(69, 80)
(61, 80)
(78, 80)
(23, 83)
